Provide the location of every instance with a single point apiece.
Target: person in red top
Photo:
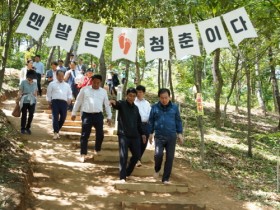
(87, 79)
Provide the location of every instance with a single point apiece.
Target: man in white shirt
(90, 102)
(144, 110)
(39, 68)
(59, 95)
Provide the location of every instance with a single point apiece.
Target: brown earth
(61, 182)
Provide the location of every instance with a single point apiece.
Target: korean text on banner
(63, 32)
(185, 41)
(239, 25)
(213, 34)
(35, 21)
(156, 44)
(92, 39)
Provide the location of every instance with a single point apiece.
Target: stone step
(153, 187)
(126, 205)
(113, 156)
(72, 123)
(77, 135)
(78, 129)
(146, 170)
(106, 145)
(48, 111)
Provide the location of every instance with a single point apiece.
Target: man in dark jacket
(129, 130)
(166, 122)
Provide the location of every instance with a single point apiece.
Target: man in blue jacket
(166, 123)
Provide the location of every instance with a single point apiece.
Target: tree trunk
(126, 76)
(12, 20)
(249, 139)
(161, 72)
(138, 79)
(274, 81)
(233, 83)
(259, 88)
(58, 53)
(159, 68)
(237, 95)
(102, 68)
(218, 85)
(50, 58)
(198, 71)
(170, 81)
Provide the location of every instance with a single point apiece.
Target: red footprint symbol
(127, 45)
(121, 40)
(124, 43)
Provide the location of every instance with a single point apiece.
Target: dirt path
(62, 182)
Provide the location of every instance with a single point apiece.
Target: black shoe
(28, 131)
(23, 131)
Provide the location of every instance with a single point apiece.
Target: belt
(93, 112)
(58, 100)
(144, 123)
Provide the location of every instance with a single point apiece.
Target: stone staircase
(141, 179)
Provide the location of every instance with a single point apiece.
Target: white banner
(92, 39)
(239, 25)
(156, 44)
(213, 34)
(63, 32)
(124, 44)
(185, 41)
(35, 21)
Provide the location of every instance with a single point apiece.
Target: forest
(244, 76)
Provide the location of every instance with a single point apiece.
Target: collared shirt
(144, 109)
(70, 76)
(62, 68)
(28, 89)
(39, 67)
(91, 101)
(59, 90)
(51, 74)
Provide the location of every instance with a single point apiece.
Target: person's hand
(151, 137)
(18, 98)
(50, 105)
(180, 138)
(73, 117)
(109, 122)
(144, 139)
(112, 102)
(69, 101)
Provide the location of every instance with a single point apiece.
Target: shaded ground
(228, 180)
(61, 182)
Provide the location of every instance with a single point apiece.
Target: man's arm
(78, 102)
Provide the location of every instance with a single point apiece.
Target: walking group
(138, 122)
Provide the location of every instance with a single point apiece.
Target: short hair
(59, 71)
(131, 90)
(163, 90)
(39, 56)
(28, 61)
(31, 74)
(74, 62)
(97, 76)
(60, 60)
(54, 63)
(141, 88)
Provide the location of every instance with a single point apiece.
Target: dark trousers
(168, 143)
(134, 145)
(145, 127)
(75, 92)
(31, 109)
(89, 120)
(59, 113)
(39, 76)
